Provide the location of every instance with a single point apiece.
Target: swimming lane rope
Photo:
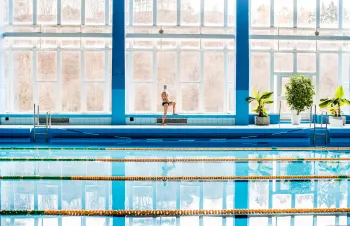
(177, 178)
(157, 213)
(170, 159)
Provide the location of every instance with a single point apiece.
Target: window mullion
(59, 12)
(35, 12)
(10, 10)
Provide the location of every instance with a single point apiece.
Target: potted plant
(261, 99)
(334, 104)
(299, 94)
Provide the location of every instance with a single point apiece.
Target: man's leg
(164, 115)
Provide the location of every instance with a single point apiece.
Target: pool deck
(284, 135)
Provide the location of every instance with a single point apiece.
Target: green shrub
(299, 93)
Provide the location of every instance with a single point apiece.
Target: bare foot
(164, 124)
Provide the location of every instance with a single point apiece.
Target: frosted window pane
(95, 96)
(231, 70)
(346, 14)
(346, 79)
(143, 66)
(166, 72)
(190, 66)
(22, 11)
(190, 97)
(47, 11)
(95, 11)
(306, 13)
(284, 13)
(329, 13)
(260, 12)
(143, 12)
(283, 62)
(142, 97)
(71, 82)
(214, 12)
(6, 12)
(190, 12)
(23, 69)
(306, 62)
(260, 71)
(231, 13)
(167, 11)
(328, 74)
(95, 65)
(71, 11)
(47, 65)
(213, 82)
(47, 95)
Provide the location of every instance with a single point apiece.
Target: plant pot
(296, 119)
(262, 121)
(337, 121)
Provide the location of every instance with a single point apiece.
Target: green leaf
(250, 99)
(266, 95)
(345, 101)
(268, 102)
(339, 93)
(325, 103)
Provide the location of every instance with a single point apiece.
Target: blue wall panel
(242, 62)
(118, 63)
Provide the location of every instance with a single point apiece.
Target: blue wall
(118, 63)
(242, 62)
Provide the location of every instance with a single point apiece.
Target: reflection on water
(144, 195)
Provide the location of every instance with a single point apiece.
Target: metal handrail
(279, 121)
(36, 121)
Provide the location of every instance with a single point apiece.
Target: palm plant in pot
(334, 106)
(262, 100)
(299, 94)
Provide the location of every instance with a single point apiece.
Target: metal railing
(321, 127)
(36, 123)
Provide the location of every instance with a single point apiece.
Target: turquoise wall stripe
(242, 62)
(118, 63)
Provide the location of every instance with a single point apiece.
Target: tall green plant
(261, 100)
(336, 102)
(299, 93)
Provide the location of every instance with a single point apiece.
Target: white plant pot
(337, 121)
(296, 119)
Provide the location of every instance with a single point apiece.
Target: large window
(283, 43)
(188, 45)
(58, 55)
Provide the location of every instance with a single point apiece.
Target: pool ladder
(37, 124)
(323, 129)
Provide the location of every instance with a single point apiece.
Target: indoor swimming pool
(45, 181)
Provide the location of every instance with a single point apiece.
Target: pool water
(262, 194)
